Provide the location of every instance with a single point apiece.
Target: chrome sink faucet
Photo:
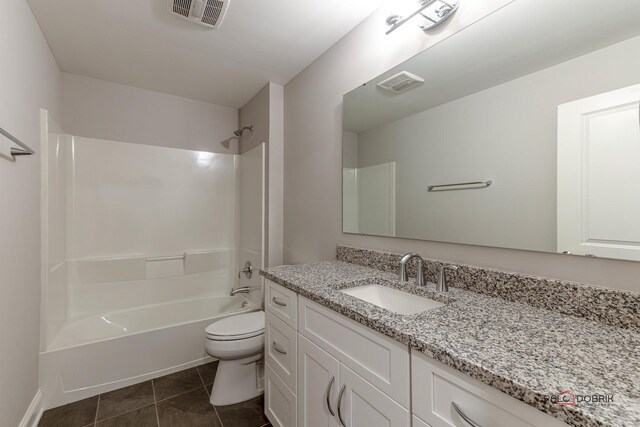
(442, 278)
(403, 276)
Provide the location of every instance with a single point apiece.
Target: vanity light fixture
(431, 13)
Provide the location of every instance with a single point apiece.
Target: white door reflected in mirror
(599, 175)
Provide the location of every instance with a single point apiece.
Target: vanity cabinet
(325, 370)
(338, 373)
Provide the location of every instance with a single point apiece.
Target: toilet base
(238, 381)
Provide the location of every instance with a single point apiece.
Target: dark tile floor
(177, 400)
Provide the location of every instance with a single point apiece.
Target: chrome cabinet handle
(464, 416)
(327, 395)
(280, 303)
(277, 348)
(340, 405)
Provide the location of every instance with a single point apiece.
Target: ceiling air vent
(205, 12)
(401, 82)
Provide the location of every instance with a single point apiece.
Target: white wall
(349, 149)
(350, 202)
(275, 168)
(313, 162)
(255, 113)
(506, 134)
(98, 109)
(265, 112)
(376, 187)
(29, 80)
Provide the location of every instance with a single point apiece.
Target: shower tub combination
(141, 247)
(101, 353)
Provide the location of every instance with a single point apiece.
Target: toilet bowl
(238, 342)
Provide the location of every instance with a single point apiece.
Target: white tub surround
(101, 353)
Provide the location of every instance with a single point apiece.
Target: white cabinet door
(317, 385)
(360, 404)
(598, 175)
(417, 422)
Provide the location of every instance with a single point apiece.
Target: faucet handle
(442, 278)
(247, 270)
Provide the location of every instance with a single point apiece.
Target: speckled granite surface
(524, 351)
(617, 308)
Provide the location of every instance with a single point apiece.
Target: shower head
(239, 132)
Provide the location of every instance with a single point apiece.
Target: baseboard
(34, 412)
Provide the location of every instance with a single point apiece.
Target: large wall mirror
(521, 131)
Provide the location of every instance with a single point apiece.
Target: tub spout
(242, 290)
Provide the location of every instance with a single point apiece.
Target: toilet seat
(237, 327)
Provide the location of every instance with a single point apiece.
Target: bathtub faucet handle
(247, 270)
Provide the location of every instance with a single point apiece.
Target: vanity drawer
(437, 387)
(281, 349)
(379, 359)
(280, 404)
(282, 302)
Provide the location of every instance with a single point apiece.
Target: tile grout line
(217, 415)
(201, 379)
(155, 402)
(123, 413)
(95, 420)
(179, 394)
(207, 391)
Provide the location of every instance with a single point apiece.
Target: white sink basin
(392, 299)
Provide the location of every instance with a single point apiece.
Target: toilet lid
(240, 326)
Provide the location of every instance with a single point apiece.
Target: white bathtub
(104, 352)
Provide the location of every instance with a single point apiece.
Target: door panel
(363, 405)
(316, 369)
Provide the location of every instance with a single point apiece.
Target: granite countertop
(528, 353)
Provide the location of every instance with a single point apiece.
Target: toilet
(238, 342)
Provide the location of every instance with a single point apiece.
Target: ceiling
(138, 43)
(518, 39)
